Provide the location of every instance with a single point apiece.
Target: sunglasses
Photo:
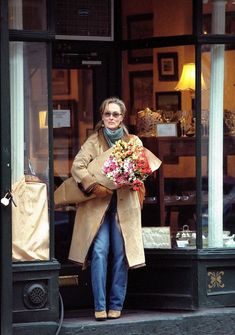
(114, 114)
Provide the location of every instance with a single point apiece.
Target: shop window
(161, 113)
(218, 129)
(29, 151)
(167, 125)
(171, 192)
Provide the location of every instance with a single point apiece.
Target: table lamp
(187, 81)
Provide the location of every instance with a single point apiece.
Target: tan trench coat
(90, 214)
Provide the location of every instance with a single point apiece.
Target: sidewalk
(220, 321)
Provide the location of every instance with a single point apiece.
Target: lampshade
(43, 120)
(187, 79)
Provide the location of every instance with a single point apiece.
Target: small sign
(166, 129)
(61, 118)
(156, 237)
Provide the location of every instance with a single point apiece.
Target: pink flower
(127, 165)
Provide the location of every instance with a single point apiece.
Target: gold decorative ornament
(216, 279)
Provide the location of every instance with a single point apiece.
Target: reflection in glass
(29, 151)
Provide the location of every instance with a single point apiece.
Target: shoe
(112, 314)
(100, 315)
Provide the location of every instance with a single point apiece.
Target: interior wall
(176, 21)
(172, 17)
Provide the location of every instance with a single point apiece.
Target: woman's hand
(101, 191)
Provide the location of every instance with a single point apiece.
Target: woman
(107, 227)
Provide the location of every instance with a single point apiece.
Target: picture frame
(168, 100)
(168, 66)
(60, 81)
(138, 27)
(141, 90)
(166, 129)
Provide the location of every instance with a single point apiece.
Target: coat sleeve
(88, 151)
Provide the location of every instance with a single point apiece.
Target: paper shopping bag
(30, 221)
(69, 193)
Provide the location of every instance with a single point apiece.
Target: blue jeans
(109, 239)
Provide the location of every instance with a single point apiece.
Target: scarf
(113, 135)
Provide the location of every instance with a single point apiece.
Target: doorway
(83, 75)
(73, 122)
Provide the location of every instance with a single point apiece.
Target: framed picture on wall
(141, 90)
(138, 27)
(167, 66)
(168, 100)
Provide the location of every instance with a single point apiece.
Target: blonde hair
(103, 106)
(113, 100)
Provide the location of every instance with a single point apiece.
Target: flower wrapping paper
(69, 193)
(127, 164)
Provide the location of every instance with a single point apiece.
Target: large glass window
(167, 76)
(217, 120)
(29, 150)
(218, 129)
(161, 112)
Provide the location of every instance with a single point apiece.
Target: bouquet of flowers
(127, 164)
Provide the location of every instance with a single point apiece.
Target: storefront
(59, 60)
